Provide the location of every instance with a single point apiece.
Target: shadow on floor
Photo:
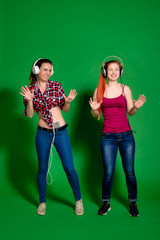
(17, 141)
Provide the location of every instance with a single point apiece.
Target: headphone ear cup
(121, 71)
(104, 72)
(52, 71)
(35, 69)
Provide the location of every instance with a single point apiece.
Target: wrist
(30, 101)
(96, 111)
(135, 108)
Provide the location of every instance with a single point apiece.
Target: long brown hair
(33, 77)
(102, 84)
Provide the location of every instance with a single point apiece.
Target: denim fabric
(63, 147)
(110, 143)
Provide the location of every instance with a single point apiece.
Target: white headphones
(104, 72)
(35, 68)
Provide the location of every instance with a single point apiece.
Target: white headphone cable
(50, 159)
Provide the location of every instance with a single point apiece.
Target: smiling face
(45, 72)
(113, 71)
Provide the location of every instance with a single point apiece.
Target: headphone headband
(119, 59)
(36, 61)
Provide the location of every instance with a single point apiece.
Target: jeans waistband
(51, 130)
(117, 134)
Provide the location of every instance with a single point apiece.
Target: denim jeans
(63, 147)
(110, 143)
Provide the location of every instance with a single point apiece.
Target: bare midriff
(56, 115)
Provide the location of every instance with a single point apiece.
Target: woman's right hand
(94, 104)
(27, 93)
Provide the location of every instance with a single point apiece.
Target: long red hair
(100, 92)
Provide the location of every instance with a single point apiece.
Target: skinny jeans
(110, 143)
(63, 147)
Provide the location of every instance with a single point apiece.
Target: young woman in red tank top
(115, 101)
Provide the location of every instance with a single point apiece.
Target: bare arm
(66, 107)
(94, 113)
(132, 105)
(30, 110)
(29, 96)
(68, 100)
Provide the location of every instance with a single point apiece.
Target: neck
(42, 85)
(112, 84)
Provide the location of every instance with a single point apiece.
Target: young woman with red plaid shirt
(47, 98)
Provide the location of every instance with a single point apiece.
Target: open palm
(71, 96)
(27, 93)
(94, 104)
(140, 101)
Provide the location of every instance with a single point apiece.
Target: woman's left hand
(71, 96)
(139, 103)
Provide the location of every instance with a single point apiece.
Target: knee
(108, 175)
(70, 171)
(42, 170)
(130, 173)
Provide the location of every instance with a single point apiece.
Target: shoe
(104, 209)
(79, 210)
(133, 210)
(41, 210)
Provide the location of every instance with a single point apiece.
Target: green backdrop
(77, 36)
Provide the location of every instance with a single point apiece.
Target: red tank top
(115, 114)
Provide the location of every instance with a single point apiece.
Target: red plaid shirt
(53, 96)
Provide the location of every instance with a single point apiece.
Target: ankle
(106, 202)
(79, 201)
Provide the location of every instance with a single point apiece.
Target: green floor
(18, 218)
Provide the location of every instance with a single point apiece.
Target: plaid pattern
(53, 96)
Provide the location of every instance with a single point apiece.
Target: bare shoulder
(127, 90)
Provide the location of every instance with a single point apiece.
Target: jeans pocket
(129, 133)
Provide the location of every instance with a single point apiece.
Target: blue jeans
(63, 147)
(110, 143)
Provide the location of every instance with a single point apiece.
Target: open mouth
(114, 76)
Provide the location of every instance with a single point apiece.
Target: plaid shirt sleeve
(25, 102)
(61, 96)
